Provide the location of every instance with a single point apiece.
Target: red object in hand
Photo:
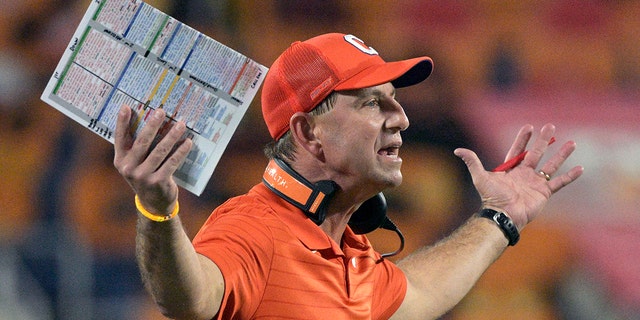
(511, 163)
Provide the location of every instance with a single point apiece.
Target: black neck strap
(312, 199)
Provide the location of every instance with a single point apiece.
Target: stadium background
(67, 218)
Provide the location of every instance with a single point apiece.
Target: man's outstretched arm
(441, 275)
(184, 284)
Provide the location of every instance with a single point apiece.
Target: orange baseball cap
(308, 71)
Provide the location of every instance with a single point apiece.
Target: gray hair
(285, 148)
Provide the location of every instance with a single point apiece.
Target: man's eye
(372, 103)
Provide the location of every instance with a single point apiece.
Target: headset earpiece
(370, 216)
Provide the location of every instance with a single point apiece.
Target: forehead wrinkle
(370, 91)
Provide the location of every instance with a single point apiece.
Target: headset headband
(311, 198)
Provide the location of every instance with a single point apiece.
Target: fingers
(143, 150)
(177, 158)
(521, 141)
(539, 146)
(163, 148)
(169, 154)
(556, 161)
(147, 135)
(139, 159)
(472, 161)
(123, 137)
(560, 182)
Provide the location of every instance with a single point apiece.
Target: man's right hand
(149, 169)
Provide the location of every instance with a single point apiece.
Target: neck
(337, 218)
(334, 227)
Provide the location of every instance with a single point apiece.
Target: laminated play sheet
(126, 52)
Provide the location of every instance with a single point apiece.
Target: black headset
(313, 200)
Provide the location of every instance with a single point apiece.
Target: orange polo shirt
(277, 263)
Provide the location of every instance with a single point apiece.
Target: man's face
(361, 138)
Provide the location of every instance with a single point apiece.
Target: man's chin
(394, 181)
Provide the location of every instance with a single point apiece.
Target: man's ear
(302, 129)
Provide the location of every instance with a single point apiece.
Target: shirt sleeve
(390, 290)
(243, 249)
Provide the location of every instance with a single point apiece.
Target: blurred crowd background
(67, 219)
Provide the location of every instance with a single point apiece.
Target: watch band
(504, 222)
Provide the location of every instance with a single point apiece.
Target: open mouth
(391, 151)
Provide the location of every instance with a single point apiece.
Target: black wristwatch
(504, 222)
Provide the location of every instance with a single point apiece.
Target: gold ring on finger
(545, 175)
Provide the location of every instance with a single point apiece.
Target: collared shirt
(277, 263)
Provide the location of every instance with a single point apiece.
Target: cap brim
(400, 73)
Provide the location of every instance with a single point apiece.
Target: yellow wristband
(153, 216)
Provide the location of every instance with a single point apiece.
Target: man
(284, 249)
